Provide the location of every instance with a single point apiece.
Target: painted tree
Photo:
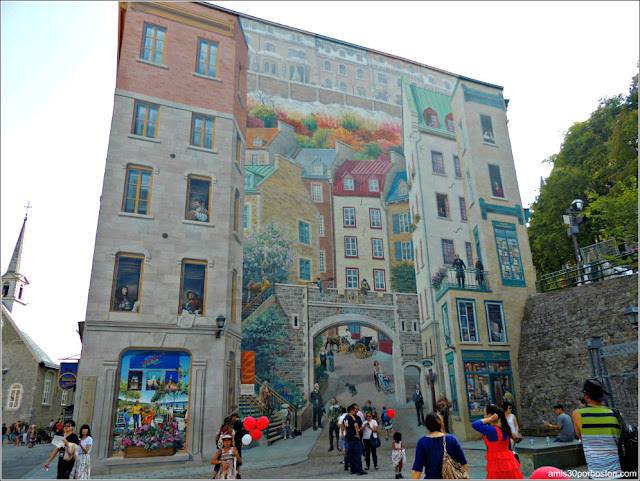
(403, 278)
(124, 392)
(269, 252)
(266, 113)
(266, 334)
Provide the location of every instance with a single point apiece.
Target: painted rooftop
(266, 135)
(308, 158)
(255, 175)
(361, 171)
(394, 193)
(421, 99)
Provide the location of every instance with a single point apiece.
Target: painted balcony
(471, 280)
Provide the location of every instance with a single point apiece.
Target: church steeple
(13, 282)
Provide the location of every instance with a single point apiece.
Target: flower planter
(141, 452)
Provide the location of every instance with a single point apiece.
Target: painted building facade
(168, 255)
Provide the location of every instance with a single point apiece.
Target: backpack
(627, 445)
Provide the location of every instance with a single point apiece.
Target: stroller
(385, 382)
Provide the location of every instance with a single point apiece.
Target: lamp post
(573, 218)
(220, 320)
(632, 316)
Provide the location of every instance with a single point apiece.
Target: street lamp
(573, 218)
(632, 316)
(220, 323)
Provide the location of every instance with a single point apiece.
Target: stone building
(167, 263)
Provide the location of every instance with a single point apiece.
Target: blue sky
(58, 59)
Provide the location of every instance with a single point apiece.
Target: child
(398, 455)
(287, 429)
(228, 458)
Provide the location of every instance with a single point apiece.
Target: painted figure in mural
(332, 418)
(125, 417)
(460, 267)
(480, 273)
(332, 341)
(123, 301)
(266, 396)
(315, 398)
(193, 304)
(199, 211)
(323, 359)
(497, 190)
(265, 283)
(376, 374)
(136, 410)
(364, 287)
(418, 400)
(250, 285)
(330, 361)
(442, 406)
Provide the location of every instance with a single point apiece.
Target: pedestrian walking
(238, 433)
(31, 436)
(352, 438)
(371, 440)
(430, 450)
(341, 442)
(387, 423)
(227, 458)
(64, 466)
(82, 467)
(315, 398)
(459, 265)
(332, 419)
(507, 407)
(598, 428)
(398, 455)
(442, 406)
(418, 400)
(501, 461)
(4, 432)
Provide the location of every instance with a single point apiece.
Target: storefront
(487, 376)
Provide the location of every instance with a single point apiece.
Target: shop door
(384, 344)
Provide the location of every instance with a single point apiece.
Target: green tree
(266, 113)
(124, 392)
(304, 142)
(403, 278)
(321, 138)
(371, 151)
(310, 123)
(266, 334)
(350, 121)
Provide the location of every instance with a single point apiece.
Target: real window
(382, 78)
(431, 118)
(463, 208)
(442, 202)
(193, 285)
(456, 166)
(351, 247)
(65, 398)
(375, 219)
(447, 251)
(198, 198)
(467, 321)
(349, 216)
(487, 129)
(360, 74)
(343, 70)
(46, 388)
(14, 399)
(451, 126)
(316, 192)
(352, 279)
(305, 269)
(323, 261)
(496, 181)
(207, 58)
(127, 288)
(137, 199)
(495, 322)
(437, 163)
(373, 185)
(377, 248)
(246, 217)
(320, 226)
(304, 232)
(379, 281)
(153, 44)
(146, 121)
(202, 130)
(348, 184)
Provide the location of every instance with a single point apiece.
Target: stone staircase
(264, 300)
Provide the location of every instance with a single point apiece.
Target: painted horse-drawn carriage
(361, 347)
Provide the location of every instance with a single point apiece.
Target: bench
(558, 455)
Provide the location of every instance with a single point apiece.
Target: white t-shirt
(368, 428)
(86, 443)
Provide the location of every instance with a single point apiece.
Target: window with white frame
(320, 226)
(437, 163)
(47, 388)
(379, 281)
(351, 246)
(255, 159)
(323, 261)
(463, 209)
(375, 219)
(304, 232)
(349, 216)
(352, 278)
(360, 74)
(404, 251)
(405, 222)
(467, 321)
(64, 398)
(402, 188)
(305, 269)
(487, 129)
(377, 248)
(15, 396)
(495, 322)
(316, 169)
(348, 184)
(382, 78)
(456, 166)
(373, 185)
(316, 192)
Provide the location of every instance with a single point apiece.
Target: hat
(227, 436)
(593, 388)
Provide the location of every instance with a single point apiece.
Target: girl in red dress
(501, 461)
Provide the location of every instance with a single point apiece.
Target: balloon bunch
(255, 428)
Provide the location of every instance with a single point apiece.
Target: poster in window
(166, 377)
(127, 285)
(509, 253)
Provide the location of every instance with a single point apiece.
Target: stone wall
(554, 359)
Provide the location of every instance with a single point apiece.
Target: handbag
(451, 469)
(375, 440)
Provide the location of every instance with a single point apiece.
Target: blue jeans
(136, 420)
(355, 455)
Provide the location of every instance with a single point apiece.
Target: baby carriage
(385, 382)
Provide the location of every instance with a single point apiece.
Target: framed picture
(153, 380)
(171, 381)
(135, 381)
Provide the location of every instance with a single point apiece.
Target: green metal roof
(422, 99)
(260, 173)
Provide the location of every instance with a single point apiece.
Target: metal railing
(463, 279)
(257, 301)
(588, 273)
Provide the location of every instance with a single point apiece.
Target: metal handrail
(473, 280)
(281, 400)
(260, 298)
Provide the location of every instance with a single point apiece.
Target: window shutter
(411, 248)
(398, 251)
(396, 224)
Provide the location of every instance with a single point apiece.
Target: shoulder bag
(375, 440)
(451, 469)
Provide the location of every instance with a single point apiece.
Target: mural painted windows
(402, 188)
(442, 201)
(437, 163)
(431, 118)
(377, 248)
(451, 126)
(153, 44)
(447, 251)
(470, 188)
(202, 132)
(255, 159)
(349, 216)
(404, 223)
(488, 376)
(305, 269)
(373, 185)
(467, 248)
(509, 254)
(245, 218)
(271, 67)
(343, 87)
(160, 382)
(320, 226)
(352, 278)
(127, 288)
(271, 47)
(495, 321)
(382, 78)
(445, 324)
(327, 66)
(248, 181)
(14, 399)
(456, 166)
(236, 211)
(360, 74)
(146, 120)
(404, 251)
(379, 281)
(348, 184)
(342, 70)
(304, 232)
(317, 169)
(467, 321)
(452, 384)
(47, 388)
(463, 209)
(487, 129)
(198, 198)
(323, 261)
(375, 219)
(496, 181)
(351, 247)
(207, 58)
(138, 190)
(193, 285)
(238, 150)
(362, 92)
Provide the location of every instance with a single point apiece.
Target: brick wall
(553, 358)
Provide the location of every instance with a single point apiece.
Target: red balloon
(548, 472)
(391, 413)
(262, 422)
(256, 434)
(249, 423)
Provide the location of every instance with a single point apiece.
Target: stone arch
(423, 385)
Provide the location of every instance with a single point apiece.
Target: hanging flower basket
(438, 278)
